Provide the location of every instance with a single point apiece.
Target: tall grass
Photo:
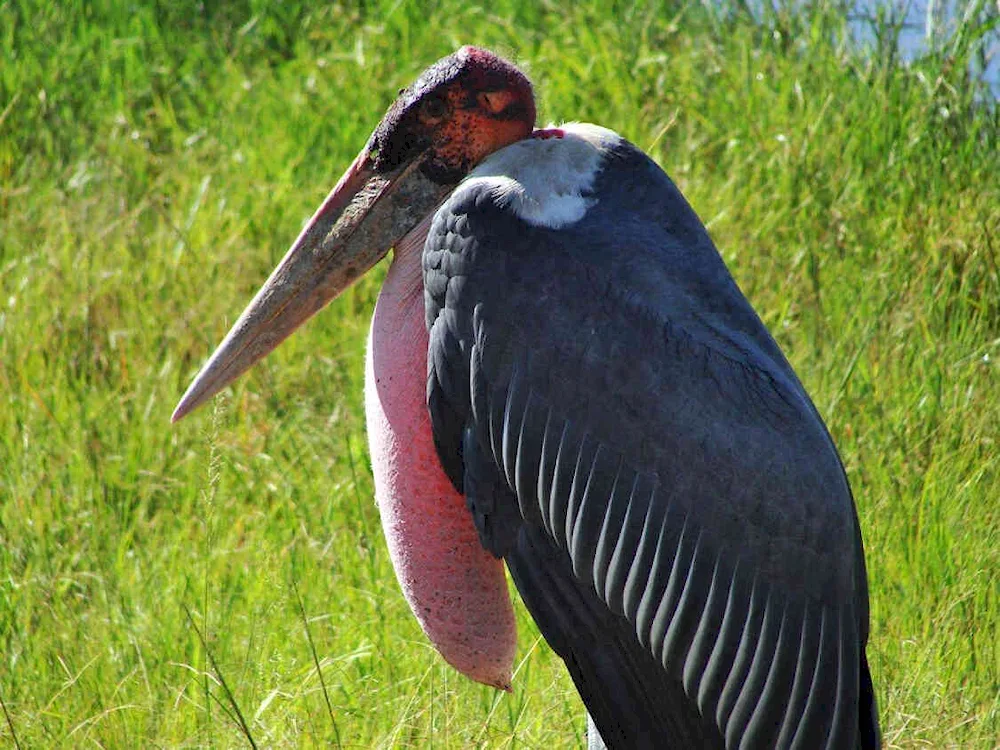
(226, 578)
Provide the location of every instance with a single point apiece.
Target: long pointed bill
(362, 217)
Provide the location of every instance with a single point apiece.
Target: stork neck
(404, 282)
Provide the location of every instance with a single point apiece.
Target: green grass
(161, 586)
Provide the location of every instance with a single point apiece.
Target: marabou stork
(563, 376)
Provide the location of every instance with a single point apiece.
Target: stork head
(460, 110)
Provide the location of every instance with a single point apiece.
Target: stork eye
(495, 102)
(434, 108)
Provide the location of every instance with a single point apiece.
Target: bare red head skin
(460, 110)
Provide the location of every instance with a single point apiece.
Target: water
(927, 24)
(923, 26)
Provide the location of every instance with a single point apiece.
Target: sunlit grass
(156, 162)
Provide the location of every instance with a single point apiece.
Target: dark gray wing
(631, 440)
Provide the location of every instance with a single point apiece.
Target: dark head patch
(462, 108)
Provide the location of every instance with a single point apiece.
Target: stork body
(563, 375)
(635, 446)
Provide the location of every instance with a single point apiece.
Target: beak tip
(180, 411)
(190, 401)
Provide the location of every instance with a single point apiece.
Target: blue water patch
(919, 27)
(929, 25)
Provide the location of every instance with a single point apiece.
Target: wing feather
(708, 631)
(611, 527)
(805, 668)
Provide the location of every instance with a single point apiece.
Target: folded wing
(632, 442)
